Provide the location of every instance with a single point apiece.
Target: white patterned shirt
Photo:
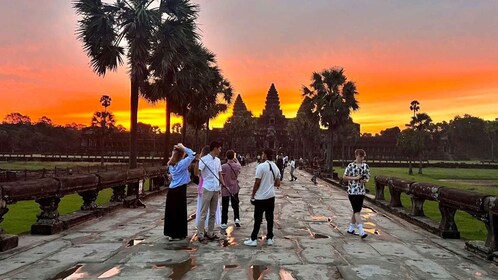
(353, 170)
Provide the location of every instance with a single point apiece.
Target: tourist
(357, 173)
(281, 165)
(292, 167)
(175, 217)
(210, 169)
(263, 197)
(204, 151)
(315, 165)
(230, 192)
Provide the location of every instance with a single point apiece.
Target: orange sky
(444, 54)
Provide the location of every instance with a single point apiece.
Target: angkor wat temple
(270, 131)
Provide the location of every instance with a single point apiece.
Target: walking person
(281, 165)
(204, 151)
(292, 167)
(315, 165)
(230, 171)
(357, 174)
(263, 197)
(175, 217)
(210, 170)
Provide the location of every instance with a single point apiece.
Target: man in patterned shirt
(357, 174)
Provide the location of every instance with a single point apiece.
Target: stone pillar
(118, 194)
(492, 227)
(379, 191)
(48, 220)
(417, 206)
(7, 241)
(448, 227)
(132, 189)
(395, 197)
(89, 198)
(152, 185)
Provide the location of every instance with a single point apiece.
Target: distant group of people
(216, 178)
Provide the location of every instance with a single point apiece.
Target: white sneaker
(252, 243)
(237, 222)
(269, 242)
(223, 226)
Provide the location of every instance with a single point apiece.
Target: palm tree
(217, 86)
(172, 53)
(305, 120)
(409, 145)
(103, 124)
(421, 124)
(102, 30)
(105, 100)
(414, 106)
(333, 99)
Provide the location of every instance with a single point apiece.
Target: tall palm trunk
(330, 149)
(133, 123)
(206, 140)
(196, 140)
(342, 151)
(101, 150)
(167, 134)
(420, 164)
(184, 126)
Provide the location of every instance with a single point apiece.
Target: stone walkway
(310, 243)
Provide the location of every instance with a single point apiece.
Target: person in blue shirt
(175, 217)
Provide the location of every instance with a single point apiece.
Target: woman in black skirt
(175, 218)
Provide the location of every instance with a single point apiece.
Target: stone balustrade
(47, 192)
(481, 206)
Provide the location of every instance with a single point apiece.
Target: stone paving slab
(310, 243)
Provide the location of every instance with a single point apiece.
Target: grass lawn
(23, 214)
(38, 165)
(469, 227)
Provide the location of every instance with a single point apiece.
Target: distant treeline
(463, 138)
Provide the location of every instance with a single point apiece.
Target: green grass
(469, 227)
(38, 165)
(23, 214)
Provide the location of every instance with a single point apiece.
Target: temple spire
(239, 108)
(272, 105)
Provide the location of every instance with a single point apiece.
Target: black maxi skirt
(175, 216)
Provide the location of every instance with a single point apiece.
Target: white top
(267, 186)
(293, 164)
(210, 180)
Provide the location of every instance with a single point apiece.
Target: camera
(253, 201)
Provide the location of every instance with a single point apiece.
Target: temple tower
(272, 124)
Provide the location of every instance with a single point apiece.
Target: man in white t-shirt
(263, 196)
(210, 169)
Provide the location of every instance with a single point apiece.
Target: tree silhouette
(414, 106)
(333, 98)
(102, 29)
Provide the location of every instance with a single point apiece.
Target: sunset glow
(443, 54)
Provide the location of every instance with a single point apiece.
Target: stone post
(417, 206)
(7, 241)
(118, 194)
(379, 191)
(48, 220)
(448, 227)
(395, 197)
(89, 198)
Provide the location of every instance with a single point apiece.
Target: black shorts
(356, 202)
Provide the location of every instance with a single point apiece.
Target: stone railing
(47, 192)
(481, 206)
